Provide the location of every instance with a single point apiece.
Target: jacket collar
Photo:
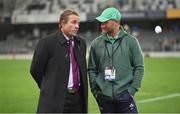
(122, 32)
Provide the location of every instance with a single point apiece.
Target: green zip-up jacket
(127, 60)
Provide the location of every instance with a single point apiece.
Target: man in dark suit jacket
(53, 68)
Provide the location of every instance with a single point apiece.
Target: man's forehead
(73, 17)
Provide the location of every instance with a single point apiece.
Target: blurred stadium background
(24, 22)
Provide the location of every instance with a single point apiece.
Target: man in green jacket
(116, 66)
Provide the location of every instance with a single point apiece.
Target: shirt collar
(67, 37)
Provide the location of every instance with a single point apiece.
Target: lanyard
(113, 51)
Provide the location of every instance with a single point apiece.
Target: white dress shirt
(70, 82)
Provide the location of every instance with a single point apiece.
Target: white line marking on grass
(160, 98)
(148, 94)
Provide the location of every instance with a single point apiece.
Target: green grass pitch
(160, 91)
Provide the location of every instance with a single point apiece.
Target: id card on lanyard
(110, 73)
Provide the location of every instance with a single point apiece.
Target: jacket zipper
(113, 91)
(112, 66)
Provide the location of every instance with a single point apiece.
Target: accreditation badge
(110, 73)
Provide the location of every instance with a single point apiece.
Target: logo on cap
(114, 15)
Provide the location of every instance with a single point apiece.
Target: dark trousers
(124, 103)
(73, 103)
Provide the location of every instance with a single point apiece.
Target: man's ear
(103, 26)
(62, 23)
(59, 25)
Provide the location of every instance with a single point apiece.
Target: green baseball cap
(108, 14)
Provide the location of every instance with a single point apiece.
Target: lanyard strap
(113, 51)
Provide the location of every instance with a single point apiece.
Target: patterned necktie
(74, 65)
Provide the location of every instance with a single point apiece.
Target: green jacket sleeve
(138, 65)
(92, 71)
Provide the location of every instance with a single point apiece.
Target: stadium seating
(47, 11)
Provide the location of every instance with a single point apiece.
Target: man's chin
(74, 34)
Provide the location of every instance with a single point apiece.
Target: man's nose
(77, 26)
